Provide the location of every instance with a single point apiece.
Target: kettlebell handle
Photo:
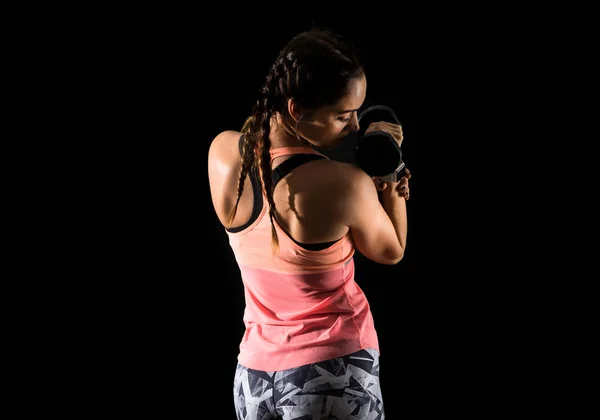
(379, 108)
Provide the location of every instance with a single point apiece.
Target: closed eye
(345, 120)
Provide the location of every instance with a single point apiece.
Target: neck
(283, 135)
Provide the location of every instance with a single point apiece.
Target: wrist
(397, 175)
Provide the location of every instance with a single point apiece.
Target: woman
(294, 219)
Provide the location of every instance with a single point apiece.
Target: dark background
(169, 286)
(389, 288)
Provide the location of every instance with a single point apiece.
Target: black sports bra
(279, 173)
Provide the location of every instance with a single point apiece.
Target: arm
(392, 200)
(378, 228)
(223, 169)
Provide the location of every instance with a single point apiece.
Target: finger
(372, 127)
(383, 125)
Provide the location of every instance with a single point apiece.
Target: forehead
(355, 96)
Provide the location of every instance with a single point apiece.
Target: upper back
(310, 201)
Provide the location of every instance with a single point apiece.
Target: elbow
(392, 258)
(388, 254)
(395, 260)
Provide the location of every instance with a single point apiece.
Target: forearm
(394, 205)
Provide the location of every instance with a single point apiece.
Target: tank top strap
(286, 151)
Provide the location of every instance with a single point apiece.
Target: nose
(354, 125)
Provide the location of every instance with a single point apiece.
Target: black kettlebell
(377, 153)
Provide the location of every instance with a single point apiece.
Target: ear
(294, 110)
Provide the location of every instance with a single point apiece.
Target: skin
(321, 200)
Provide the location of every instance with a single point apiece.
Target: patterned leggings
(344, 388)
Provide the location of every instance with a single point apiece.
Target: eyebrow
(348, 110)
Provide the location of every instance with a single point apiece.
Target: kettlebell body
(377, 153)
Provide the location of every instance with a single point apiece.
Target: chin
(334, 144)
(343, 139)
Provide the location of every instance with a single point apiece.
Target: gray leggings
(344, 388)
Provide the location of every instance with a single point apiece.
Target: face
(328, 125)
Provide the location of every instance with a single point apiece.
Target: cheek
(335, 130)
(344, 127)
(338, 126)
(326, 131)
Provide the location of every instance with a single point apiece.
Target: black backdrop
(387, 287)
(174, 295)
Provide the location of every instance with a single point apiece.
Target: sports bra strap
(285, 151)
(286, 167)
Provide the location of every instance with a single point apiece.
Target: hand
(395, 130)
(401, 187)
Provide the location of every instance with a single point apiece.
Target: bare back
(310, 201)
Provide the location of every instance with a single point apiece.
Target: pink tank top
(302, 306)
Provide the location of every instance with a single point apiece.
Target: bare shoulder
(339, 184)
(224, 144)
(223, 171)
(317, 201)
(347, 177)
(224, 160)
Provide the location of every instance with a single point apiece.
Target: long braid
(256, 154)
(257, 144)
(266, 172)
(273, 95)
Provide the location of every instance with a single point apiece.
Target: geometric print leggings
(344, 388)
